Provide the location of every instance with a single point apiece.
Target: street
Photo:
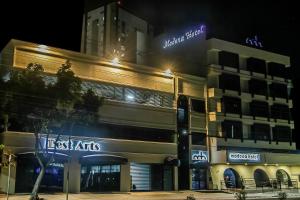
(153, 196)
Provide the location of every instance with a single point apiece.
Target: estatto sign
(76, 145)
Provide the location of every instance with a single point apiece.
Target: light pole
(9, 172)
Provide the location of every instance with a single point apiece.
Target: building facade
(220, 119)
(136, 141)
(250, 123)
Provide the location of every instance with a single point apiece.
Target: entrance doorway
(232, 178)
(151, 177)
(283, 179)
(28, 170)
(199, 179)
(261, 178)
(98, 178)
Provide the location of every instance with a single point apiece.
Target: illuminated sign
(199, 156)
(77, 145)
(182, 38)
(254, 41)
(243, 157)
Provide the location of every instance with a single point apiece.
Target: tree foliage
(31, 105)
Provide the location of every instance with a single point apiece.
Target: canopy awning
(172, 161)
(58, 157)
(103, 159)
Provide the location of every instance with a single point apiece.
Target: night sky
(58, 23)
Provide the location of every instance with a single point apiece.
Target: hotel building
(220, 119)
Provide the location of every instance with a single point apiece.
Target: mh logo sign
(199, 156)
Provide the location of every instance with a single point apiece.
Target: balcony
(197, 121)
(250, 143)
(137, 115)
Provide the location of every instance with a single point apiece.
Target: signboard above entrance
(199, 156)
(75, 145)
(243, 157)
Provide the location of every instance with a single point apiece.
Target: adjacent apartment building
(180, 112)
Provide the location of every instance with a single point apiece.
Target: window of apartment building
(228, 59)
(259, 87)
(278, 90)
(95, 35)
(279, 111)
(259, 108)
(198, 105)
(232, 129)
(134, 95)
(123, 27)
(229, 82)
(105, 130)
(282, 133)
(256, 65)
(198, 138)
(276, 69)
(260, 131)
(232, 105)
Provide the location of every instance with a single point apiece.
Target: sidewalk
(153, 196)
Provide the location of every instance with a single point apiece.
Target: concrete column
(191, 178)
(74, 180)
(175, 178)
(125, 179)
(4, 179)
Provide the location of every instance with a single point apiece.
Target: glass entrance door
(100, 178)
(199, 179)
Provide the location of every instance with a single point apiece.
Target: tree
(45, 110)
(65, 92)
(71, 107)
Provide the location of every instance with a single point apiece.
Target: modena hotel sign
(76, 145)
(243, 157)
(193, 33)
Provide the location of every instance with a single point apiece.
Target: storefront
(256, 170)
(199, 169)
(28, 170)
(94, 165)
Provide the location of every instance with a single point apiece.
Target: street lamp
(115, 60)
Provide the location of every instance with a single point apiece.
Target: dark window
(198, 138)
(256, 65)
(260, 131)
(276, 69)
(279, 111)
(232, 105)
(259, 108)
(198, 105)
(228, 59)
(229, 82)
(278, 90)
(232, 129)
(123, 25)
(95, 35)
(258, 87)
(282, 133)
(125, 132)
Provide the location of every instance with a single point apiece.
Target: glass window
(105, 169)
(229, 82)
(228, 59)
(198, 138)
(232, 129)
(232, 105)
(256, 65)
(123, 25)
(260, 131)
(198, 105)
